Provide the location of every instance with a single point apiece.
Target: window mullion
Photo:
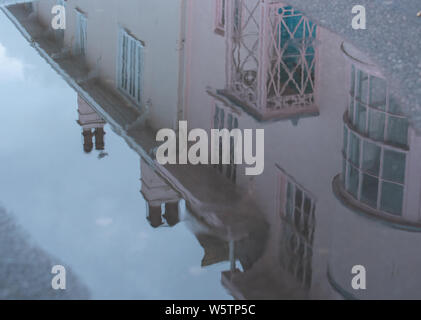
(345, 158)
(360, 171)
(356, 87)
(368, 109)
(293, 203)
(386, 124)
(380, 186)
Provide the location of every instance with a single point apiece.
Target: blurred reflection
(92, 126)
(279, 79)
(285, 233)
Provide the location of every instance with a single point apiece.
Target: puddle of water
(339, 188)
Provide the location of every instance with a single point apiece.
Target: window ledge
(219, 31)
(357, 207)
(293, 114)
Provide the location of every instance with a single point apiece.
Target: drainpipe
(184, 55)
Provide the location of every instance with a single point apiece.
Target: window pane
(392, 198)
(351, 111)
(371, 158)
(376, 124)
(343, 171)
(394, 106)
(298, 198)
(360, 118)
(352, 80)
(353, 178)
(345, 141)
(289, 201)
(354, 155)
(362, 86)
(397, 130)
(307, 205)
(378, 93)
(216, 118)
(394, 166)
(297, 218)
(369, 190)
(306, 216)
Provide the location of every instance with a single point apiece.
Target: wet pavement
(26, 269)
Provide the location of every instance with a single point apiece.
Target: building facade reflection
(251, 65)
(379, 188)
(271, 59)
(92, 126)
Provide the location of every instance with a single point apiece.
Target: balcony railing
(271, 59)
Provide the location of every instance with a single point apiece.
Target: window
(375, 113)
(295, 72)
(374, 173)
(226, 120)
(220, 9)
(375, 145)
(297, 211)
(130, 66)
(271, 58)
(81, 33)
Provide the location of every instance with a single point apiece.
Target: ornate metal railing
(271, 57)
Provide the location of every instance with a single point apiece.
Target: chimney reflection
(161, 200)
(92, 126)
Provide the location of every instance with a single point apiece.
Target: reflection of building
(92, 126)
(378, 146)
(379, 181)
(297, 210)
(158, 194)
(224, 119)
(142, 69)
(271, 59)
(129, 72)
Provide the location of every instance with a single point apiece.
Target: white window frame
(230, 171)
(220, 16)
(292, 257)
(355, 101)
(350, 128)
(81, 32)
(346, 167)
(130, 66)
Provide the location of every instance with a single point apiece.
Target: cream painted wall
(309, 152)
(157, 26)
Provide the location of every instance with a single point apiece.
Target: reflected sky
(86, 211)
